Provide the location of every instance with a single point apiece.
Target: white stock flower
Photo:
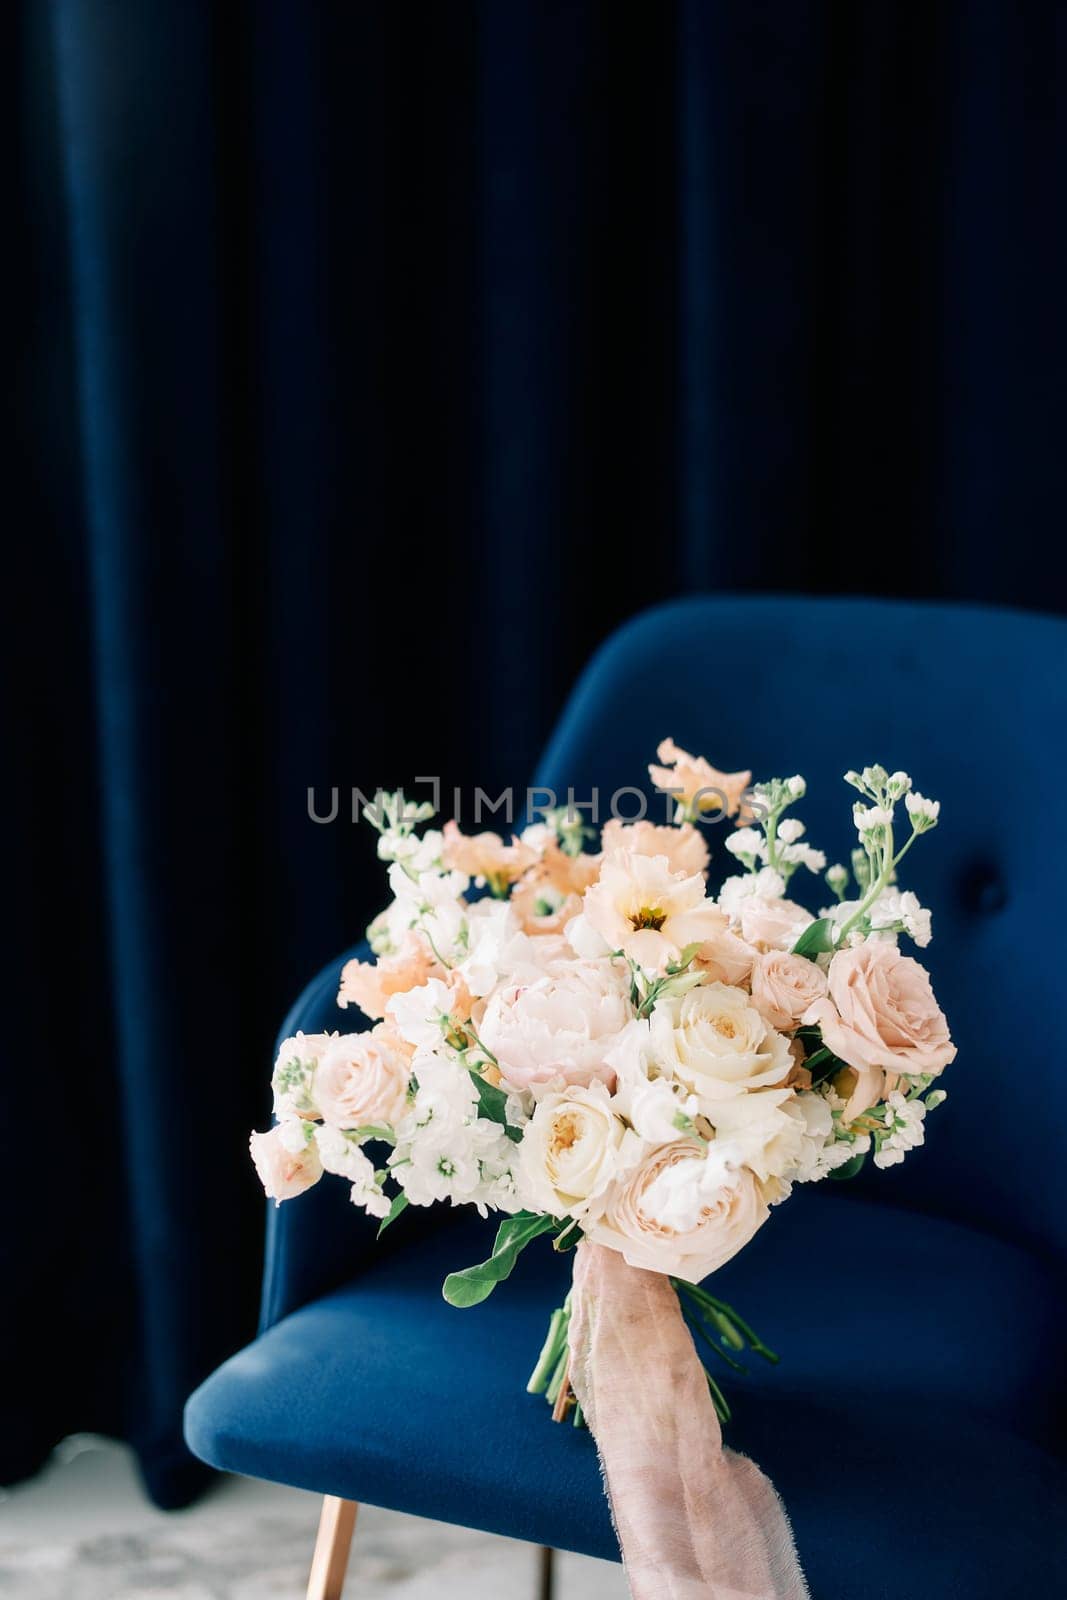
(894, 909)
(790, 829)
(421, 1014)
(747, 843)
(923, 812)
(803, 855)
(869, 819)
(341, 1155)
(904, 1118)
(445, 1150)
(764, 885)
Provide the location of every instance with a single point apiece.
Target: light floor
(83, 1530)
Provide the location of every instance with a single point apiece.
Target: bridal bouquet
(592, 1044)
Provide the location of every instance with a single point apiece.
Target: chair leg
(328, 1564)
(546, 1574)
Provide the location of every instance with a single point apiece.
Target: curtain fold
(373, 363)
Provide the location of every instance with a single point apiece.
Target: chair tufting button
(983, 890)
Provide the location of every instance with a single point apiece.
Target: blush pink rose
(784, 987)
(362, 1079)
(284, 1171)
(881, 1016)
(678, 1212)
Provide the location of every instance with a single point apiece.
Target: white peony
(560, 1027)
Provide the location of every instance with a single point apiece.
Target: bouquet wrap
(694, 1521)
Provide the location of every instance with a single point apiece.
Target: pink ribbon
(695, 1521)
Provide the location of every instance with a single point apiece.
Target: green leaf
(400, 1203)
(475, 1284)
(492, 1104)
(816, 940)
(850, 1168)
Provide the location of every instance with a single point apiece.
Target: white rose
(716, 1044)
(572, 1148)
(560, 1027)
(683, 1211)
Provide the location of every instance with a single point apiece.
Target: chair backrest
(973, 703)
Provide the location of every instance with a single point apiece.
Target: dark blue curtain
(371, 363)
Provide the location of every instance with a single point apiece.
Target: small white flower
(803, 855)
(766, 884)
(894, 909)
(923, 812)
(796, 786)
(870, 818)
(899, 783)
(837, 877)
(904, 1121)
(790, 829)
(747, 842)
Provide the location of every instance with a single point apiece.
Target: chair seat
(902, 1427)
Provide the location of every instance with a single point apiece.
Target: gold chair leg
(546, 1573)
(330, 1561)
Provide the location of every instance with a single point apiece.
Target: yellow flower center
(648, 917)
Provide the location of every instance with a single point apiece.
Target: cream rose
(572, 1148)
(784, 986)
(286, 1160)
(362, 1079)
(560, 1027)
(682, 1211)
(716, 1044)
(881, 1016)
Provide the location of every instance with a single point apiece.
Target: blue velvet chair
(915, 1424)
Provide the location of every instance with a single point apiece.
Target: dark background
(371, 362)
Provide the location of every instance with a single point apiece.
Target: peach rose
(363, 1079)
(784, 986)
(369, 984)
(683, 846)
(772, 924)
(881, 1016)
(724, 958)
(681, 1211)
(286, 1161)
(694, 776)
